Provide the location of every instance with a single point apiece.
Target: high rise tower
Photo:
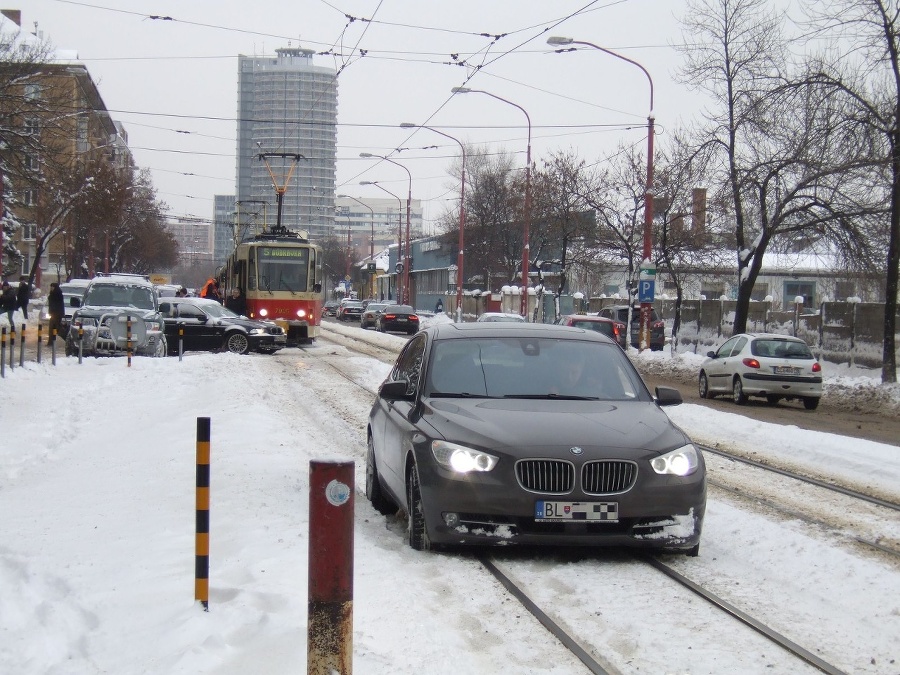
(287, 106)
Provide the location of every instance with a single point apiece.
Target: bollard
(52, 345)
(40, 327)
(330, 595)
(128, 337)
(12, 347)
(3, 353)
(201, 540)
(180, 340)
(22, 347)
(80, 342)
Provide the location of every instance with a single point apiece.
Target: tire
(737, 392)
(162, 348)
(811, 403)
(703, 386)
(237, 343)
(772, 399)
(374, 491)
(416, 531)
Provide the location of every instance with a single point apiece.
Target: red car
(609, 327)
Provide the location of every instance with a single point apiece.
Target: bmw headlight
(681, 462)
(461, 459)
(257, 331)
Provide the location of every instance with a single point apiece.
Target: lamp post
(462, 213)
(647, 263)
(371, 239)
(405, 297)
(526, 264)
(399, 226)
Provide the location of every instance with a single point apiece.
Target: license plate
(545, 512)
(785, 370)
(401, 320)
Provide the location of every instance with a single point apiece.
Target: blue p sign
(646, 290)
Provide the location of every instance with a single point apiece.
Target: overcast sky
(172, 81)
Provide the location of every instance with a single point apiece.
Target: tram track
(592, 656)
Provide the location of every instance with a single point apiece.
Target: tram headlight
(301, 313)
(264, 312)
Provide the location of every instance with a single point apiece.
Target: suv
(103, 313)
(657, 327)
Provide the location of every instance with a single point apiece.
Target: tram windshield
(283, 269)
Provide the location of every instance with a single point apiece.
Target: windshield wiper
(463, 394)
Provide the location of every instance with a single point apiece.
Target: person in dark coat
(236, 302)
(8, 302)
(56, 308)
(23, 295)
(211, 290)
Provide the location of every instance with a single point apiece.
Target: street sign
(646, 290)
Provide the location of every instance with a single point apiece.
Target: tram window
(251, 272)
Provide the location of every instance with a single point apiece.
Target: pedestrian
(236, 302)
(211, 290)
(56, 308)
(181, 292)
(8, 302)
(439, 307)
(23, 295)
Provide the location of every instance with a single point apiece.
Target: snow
(97, 474)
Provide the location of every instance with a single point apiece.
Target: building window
(760, 291)
(32, 126)
(793, 289)
(30, 162)
(28, 231)
(32, 92)
(29, 197)
(844, 290)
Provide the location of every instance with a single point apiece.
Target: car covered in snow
(117, 310)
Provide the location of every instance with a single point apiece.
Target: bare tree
(872, 90)
(792, 170)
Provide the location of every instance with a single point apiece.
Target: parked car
(350, 310)
(104, 312)
(500, 316)
(208, 326)
(397, 319)
(369, 317)
(330, 308)
(609, 327)
(775, 367)
(482, 436)
(657, 326)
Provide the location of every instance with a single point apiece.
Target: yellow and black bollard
(40, 327)
(201, 545)
(128, 337)
(22, 347)
(80, 342)
(180, 340)
(3, 352)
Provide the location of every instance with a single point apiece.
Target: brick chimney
(14, 15)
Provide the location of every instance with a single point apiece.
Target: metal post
(180, 340)
(40, 327)
(12, 348)
(201, 539)
(330, 593)
(3, 351)
(128, 337)
(22, 347)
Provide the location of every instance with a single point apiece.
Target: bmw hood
(95, 312)
(545, 425)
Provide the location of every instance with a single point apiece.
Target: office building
(286, 139)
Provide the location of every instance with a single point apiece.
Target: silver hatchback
(775, 367)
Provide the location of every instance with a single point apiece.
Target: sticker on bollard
(337, 493)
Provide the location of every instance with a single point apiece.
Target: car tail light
(751, 363)
(816, 368)
(390, 317)
(413, 317)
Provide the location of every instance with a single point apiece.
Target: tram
(279, 271)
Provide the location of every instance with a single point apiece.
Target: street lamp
(647, 263)
(371, 239)
(399, 225)
(462, 213)
(526, 264)
(405, 297)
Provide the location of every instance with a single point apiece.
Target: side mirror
(395, 391)
(667, 396)
(711, 355)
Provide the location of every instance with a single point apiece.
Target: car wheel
(811, 403)
(162, 347)
(704, 386)
(374, 492)
(737, 392)
(237, 343)
(772, 399)
(418, 535)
